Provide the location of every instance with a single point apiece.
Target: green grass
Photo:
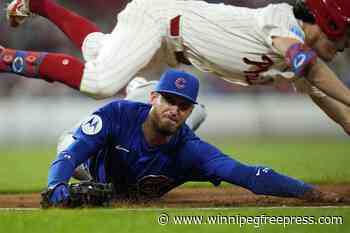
(319, 161)
(312, 161)
(25, 170)
(122, 220)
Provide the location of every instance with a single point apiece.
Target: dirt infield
(195, 197)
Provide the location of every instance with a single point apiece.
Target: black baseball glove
(83, 194)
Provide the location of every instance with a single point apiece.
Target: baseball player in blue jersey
(147, 148)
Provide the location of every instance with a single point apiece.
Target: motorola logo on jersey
(180, 83)
(92, 125)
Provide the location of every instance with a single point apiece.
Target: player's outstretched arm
(217, 166)
(305, 63)
(335, 110)
(325, 79)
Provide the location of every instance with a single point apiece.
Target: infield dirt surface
(187, 197)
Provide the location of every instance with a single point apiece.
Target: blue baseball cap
(179, 83)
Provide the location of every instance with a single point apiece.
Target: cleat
(17, 12)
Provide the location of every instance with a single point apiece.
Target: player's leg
(139, 90)
(41, 65)
(111, 64)
(74, 26)
(197, 117)
(120, 55)
(48, 66)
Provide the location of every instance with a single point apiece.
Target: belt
(175, 32)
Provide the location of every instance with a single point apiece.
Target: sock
(48, 66)
(72, 24)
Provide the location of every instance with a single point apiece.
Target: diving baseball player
(137, 90)
(147, 150)
(278, 43)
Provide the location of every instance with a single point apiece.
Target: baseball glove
(83, 194)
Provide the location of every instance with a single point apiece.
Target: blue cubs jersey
(114, 133)
(112, 143)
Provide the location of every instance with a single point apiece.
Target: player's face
(327, 49)
(169, 112)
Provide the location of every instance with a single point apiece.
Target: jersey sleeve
(210, 163)
(278, 21)
(217, 167)
(90, 137)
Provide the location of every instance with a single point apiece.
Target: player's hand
(83, 194)
(60, 195)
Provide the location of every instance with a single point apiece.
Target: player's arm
(90, 137)
(335, 110)
(215, 165)
(312, 68)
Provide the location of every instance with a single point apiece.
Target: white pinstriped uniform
(214, 37)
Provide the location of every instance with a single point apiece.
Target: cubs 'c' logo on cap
(180, 83)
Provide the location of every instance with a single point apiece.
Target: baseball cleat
(17, 12)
